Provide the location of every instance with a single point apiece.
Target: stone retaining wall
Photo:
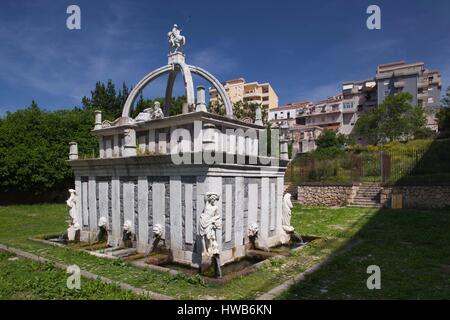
(326, 195)
(342, 195)
(419, 196)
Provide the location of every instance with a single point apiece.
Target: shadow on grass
(410, 246)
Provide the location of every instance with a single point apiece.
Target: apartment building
(424, 85)
(328, 114)
(335, 113)
(286, 114)
(252, 92)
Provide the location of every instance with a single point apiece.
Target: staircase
(291, 188)
(367, 196)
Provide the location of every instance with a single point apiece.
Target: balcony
(399, 84)
(422, 96)
(252, 94)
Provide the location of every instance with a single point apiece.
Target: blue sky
(305, 49)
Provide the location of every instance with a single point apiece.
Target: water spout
(157, 233)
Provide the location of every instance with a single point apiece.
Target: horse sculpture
(176, 40)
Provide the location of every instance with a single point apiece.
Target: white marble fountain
(199, 183)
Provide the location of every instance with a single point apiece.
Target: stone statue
(127, 235)
(286, 217)
(127, 136)
(103, 231)
(210, 221)
(258, 116)
(145, 115)
(74, 224)
(253, 230)
(176, 40)
(157, 230)
(72, 204)
(157, 111)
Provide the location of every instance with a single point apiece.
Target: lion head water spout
(157, 235)
(252, 233)
(103, 230)
(127, 234)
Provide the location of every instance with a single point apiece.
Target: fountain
(196, 189)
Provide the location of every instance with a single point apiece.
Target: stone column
(209, 136)
(98, 120)
(185, 108)
(284, 155)
(201, 102)
(258, 116)
(73, 151)
(129, 148)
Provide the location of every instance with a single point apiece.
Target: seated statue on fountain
(73, 232)
(157, 111)
(145, 115)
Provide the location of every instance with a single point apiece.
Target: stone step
(368, 193)
(364, 206)
(366, 199)
(366, 203)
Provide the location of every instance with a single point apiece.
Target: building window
(301, 121)
(288, 115)
(276, 116)
(430, 100)
(348, 105)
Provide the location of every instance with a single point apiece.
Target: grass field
(411, 247)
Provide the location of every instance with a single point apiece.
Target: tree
(34, 149)
(330, 138)
(241, 110)
(443, 115)
(176, 106)
(107, 99)
(393, 120)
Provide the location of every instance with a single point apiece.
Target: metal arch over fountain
(177, 64)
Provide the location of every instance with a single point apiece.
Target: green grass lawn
(24, 279)
(411, 247)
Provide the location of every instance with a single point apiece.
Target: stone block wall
(326, 195)
(418, 196)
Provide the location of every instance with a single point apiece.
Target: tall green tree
(393, 120)
(107, 98)
(34, 149)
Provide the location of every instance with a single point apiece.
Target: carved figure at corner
(287, 214)
(74, 224)
(210, 221)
